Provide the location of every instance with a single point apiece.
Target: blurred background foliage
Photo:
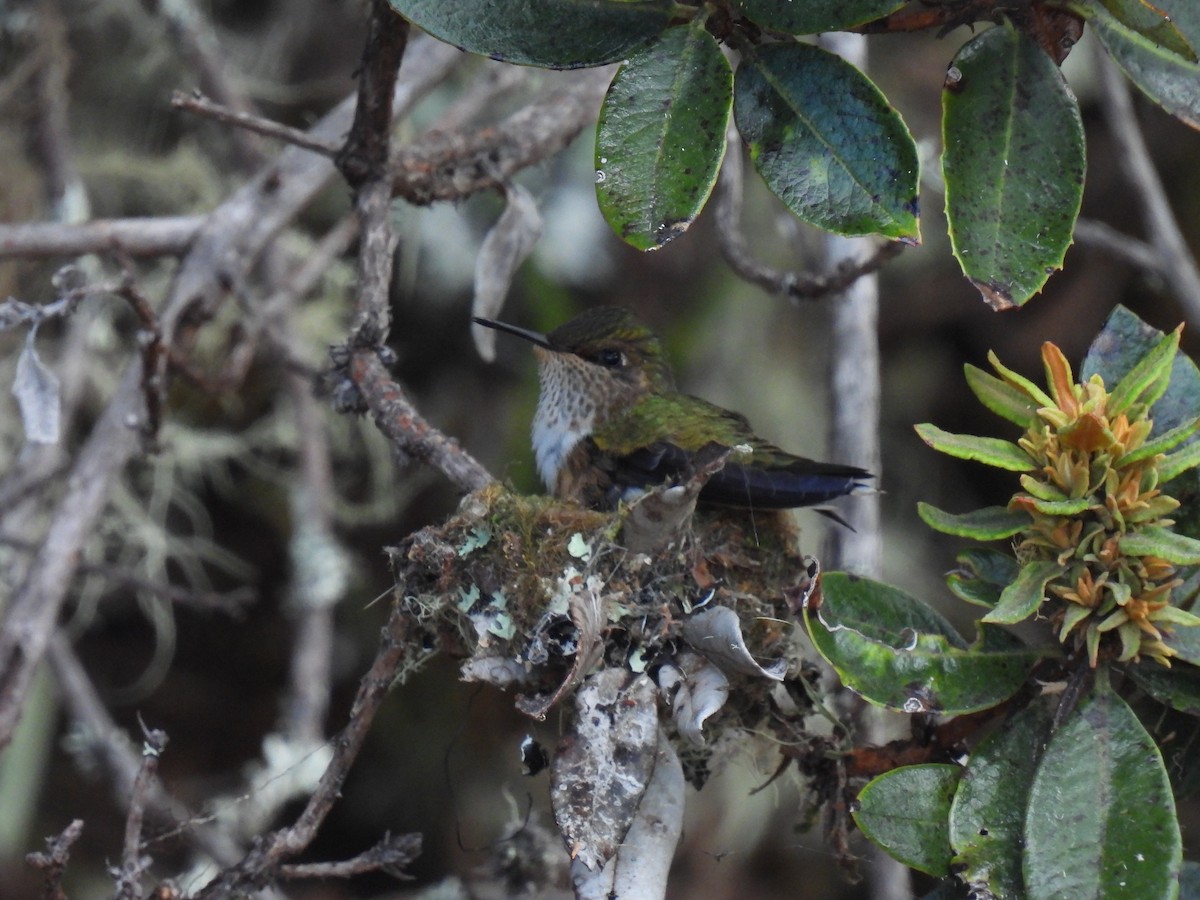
(211, 511)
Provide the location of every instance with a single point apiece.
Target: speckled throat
(575, 397)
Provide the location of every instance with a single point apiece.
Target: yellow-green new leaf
(990, 451)
(1000, 397)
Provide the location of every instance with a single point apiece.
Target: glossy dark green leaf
(1101, 817)
(1013, 161)
(906, 812)
(1146, 21)
(1022, 598)
(556, 34)
(989, 451)
(1164, 76)
(1178, 687)
(987, 819)
(897, 652)
(992, 523)
(982, 575)
(661, 136)
(812, 16)
(827, 142)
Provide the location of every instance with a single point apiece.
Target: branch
(222, 256)
(133, 863)
(392, 856)
(200, 105)
(194, 35)
(263, 863)
(404, 426)
(54, 861)
(164, 236)
(449, 165)
(121, 759)
(1178, 266)
(794, 285)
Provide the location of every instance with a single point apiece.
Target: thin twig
(200, 105)
(794, 285)
(391, 856)
(194, 35)
(153, 352)
(1110, 241)
(121, 758)
(54, 861)
(1178, 265)
(262, 864)
(133, 863)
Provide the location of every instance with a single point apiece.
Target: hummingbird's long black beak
(534, 337)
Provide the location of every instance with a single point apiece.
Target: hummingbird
(610, 423)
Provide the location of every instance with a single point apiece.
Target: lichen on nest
(534, 594)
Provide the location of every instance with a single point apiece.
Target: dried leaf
(503, 250)
(716, 634)
(587, 612)
(604, 763)
(643, 861)
(38, 395)
(698, 690)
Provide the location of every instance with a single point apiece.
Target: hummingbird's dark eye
(610, 358)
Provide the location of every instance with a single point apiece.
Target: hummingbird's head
(605, 349)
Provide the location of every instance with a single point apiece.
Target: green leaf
(990, 451)
(556, 34)
(992, 523)
(1161, 444)
(1174, 465)
(1151, 370)
(1069, 507)
(1001, 397)
(1178, 687)
(1013, 163)
(661, 136)
(983, 575)
(987, 818)
(1164, 76)
(1146, 21)
(826, 141)
(1176, 549)
(813, 16)
(1021, 599)
(1123, 342)
(1186, 643)
(1101, 817)
(897, 652)
(906, 811)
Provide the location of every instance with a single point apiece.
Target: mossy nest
(534, 594)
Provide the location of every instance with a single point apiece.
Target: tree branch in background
(194, 36)
(165, 236)
(794, 285)
(54, 861)
(121, 759)
(202, 106)
(1178, 266)
(264, 862)
(221, 257)
(447, 165)
(133, 863)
